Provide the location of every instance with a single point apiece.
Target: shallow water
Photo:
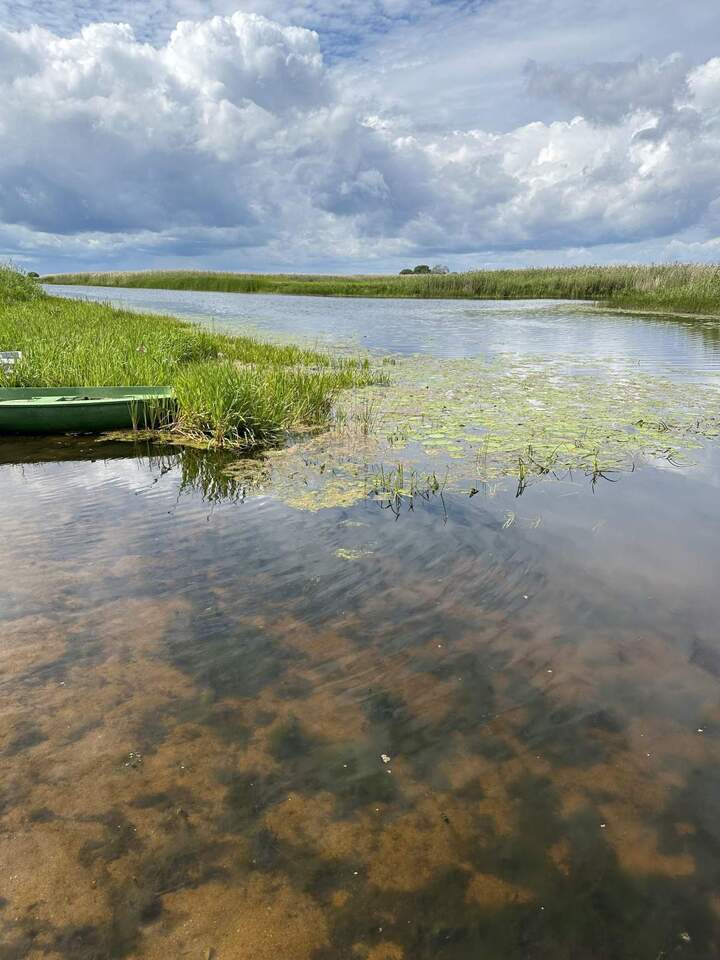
(201, 684)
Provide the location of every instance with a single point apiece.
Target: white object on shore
(8, 359)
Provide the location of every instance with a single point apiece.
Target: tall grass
(685, 288)
(230, 390)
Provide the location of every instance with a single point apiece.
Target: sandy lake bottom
(443, 727)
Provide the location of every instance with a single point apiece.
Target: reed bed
(231, 390)
(682, 288)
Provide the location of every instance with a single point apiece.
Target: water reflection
(441, 328)
(198, 704)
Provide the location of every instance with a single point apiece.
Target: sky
(365, 136)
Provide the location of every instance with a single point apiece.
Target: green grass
(683, 288)
(231, 390)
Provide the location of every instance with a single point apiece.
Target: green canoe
(83, 409)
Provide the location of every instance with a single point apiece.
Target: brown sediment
(312, 820)
(636, 844)
(493, 893)
(415, 847)
(29, 644)
(263, 918)
(42, 877)
(383, 951)
(496, 805)
(150, 806)
(338, 898)
(322, 645)
(561, 855)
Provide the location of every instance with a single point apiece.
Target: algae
(476, 422)
(345, 553)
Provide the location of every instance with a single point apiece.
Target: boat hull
(33, 410)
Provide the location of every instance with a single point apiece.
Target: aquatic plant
(400, 486)
(685, 288)
(479, 423)
(231, 390)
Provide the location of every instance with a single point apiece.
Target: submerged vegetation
(471, 425)
(682, 288)
(230, 390)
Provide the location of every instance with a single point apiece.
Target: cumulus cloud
(235, 135)
(607, 92)
(704, 85)
(101, 132)
(344, 24)
(231, 130)
(241, 59)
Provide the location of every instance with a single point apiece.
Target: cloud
(232, 130)
(247, 58)
(344, 24)
(234, 138)
(607, 92)
(704, 85)
(103, 133)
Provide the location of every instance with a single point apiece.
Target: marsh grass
(230, 390)
(399, 486)
(682, 288)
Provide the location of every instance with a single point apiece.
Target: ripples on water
(198, 693)
(440, 328)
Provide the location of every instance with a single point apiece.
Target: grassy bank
(230, 390)
(683, 288)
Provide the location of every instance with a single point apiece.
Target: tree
(421, 268)
(35, 276)
(439, 268)
(406, 270)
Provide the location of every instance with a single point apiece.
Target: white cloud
(247, 58)
(235, 139)
(704, 85)
(344, 24)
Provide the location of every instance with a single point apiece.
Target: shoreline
(689, 291)
(232, 390)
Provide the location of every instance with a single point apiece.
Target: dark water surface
(199, 693)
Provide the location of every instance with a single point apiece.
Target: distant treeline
(682, 288)
(425, 268)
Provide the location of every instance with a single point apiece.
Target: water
(438, 328)
(199, 693)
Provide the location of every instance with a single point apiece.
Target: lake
(478, 720)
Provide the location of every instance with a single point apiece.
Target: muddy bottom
(474, 727)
